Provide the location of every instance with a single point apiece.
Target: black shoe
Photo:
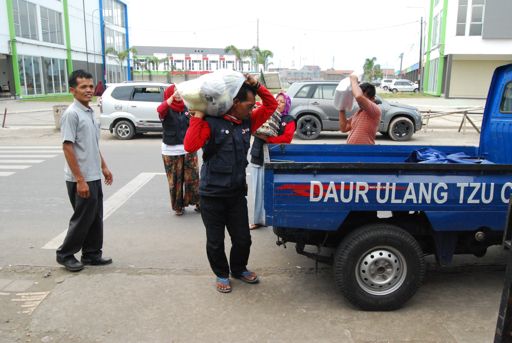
(70, 263)
(96, 261)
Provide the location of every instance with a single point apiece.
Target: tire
(308, 127)
(416, 90)
(385, 88)
(401, 129)
(394, 90)
(124, 130)
(379, 267)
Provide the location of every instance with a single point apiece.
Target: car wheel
(401, 129)
(394, 90)
(124, 130)
(385, 88)
(415, 90)
(379, 267)
(308, 127)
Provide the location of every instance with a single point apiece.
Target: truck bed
(318, 186)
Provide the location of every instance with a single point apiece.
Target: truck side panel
(322, 199)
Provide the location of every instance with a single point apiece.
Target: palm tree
(239, 54)
(368, 68)
(120, 56)
(261, 57)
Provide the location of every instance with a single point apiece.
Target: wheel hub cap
(381, 271)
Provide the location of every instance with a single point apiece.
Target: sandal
(179, 212)
(247, 277)
(223, 285)
(255, 226)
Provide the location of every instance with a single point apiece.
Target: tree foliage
(371, 70)
(257, 55)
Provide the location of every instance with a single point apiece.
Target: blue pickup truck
(381, 214)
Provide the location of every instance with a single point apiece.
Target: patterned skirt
(183, 178)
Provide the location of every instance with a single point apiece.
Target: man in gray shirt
(84, 166)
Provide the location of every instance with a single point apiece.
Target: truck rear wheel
(379, 267)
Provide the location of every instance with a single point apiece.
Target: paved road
(160, 288)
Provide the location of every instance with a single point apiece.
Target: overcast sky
(339, 34)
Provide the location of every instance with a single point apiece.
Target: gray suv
(130, 108)
(314, 111)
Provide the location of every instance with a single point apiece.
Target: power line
(345, 31)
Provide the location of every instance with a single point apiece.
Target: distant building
(466, 41)
(176, 64)
(43, 41)
(335, 75)
(290, 75)
(388, 73)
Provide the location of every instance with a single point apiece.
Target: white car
(402, 86)
(130, 108)
(384, 84)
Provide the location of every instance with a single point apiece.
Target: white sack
(212, 93)
(343, 99)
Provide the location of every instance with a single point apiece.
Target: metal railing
(473, 116)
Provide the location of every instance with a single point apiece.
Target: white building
(466, 41)
(43, 41)
(175, 64)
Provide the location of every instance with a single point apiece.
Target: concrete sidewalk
(30, 113)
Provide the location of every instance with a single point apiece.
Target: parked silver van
(130, 108)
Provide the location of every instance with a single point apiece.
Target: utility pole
(258, 33)
(420, 66)
(401, 60)
(85, 30)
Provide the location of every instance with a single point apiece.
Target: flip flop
(255, 226)
(223, 285)
(247, 277)
(179, 212)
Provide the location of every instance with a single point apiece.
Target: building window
(51, 26)
(115, 73)
(462, 17)
(113, 13)
(25, 19)
(115, 39)
(54, 75)
(436, 26)
(477, 17)
(196, 65)
(432, 77)
(30, 75)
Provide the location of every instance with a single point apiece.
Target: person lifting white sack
(212, 93)
(343, 98)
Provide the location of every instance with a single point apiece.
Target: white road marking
(31, 151)
(13, 166)
(6, 173)
(27, 147)
(27, 156)
(21, 161)
(113, 203)
(30, 301)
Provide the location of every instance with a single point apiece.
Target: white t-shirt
(173, 150)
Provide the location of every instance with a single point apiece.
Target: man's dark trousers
(85, 230)
(219, 213)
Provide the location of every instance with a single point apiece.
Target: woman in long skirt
(181, 167)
